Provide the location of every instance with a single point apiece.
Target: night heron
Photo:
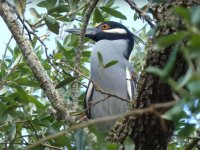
(110, 87)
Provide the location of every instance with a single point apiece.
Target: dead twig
(33, 62)
(104, 119)
(86, 17)
(141, 13)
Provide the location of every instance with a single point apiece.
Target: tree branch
(5, 51)
(33, 62)
(137, 112)
(97, 87)
(141, 13)
(75, 86)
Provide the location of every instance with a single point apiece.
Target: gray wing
(131, 90)
(88, 99)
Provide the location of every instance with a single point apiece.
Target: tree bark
(33, 62)
(149, 131)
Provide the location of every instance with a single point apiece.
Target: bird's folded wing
(88, 99)
(131, 84)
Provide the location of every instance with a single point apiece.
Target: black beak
(90, 32)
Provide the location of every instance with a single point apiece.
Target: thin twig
(104, 119)
(92, 103)
(52, 147)
(86, 17)
(110, 94)
(97, 87)
(22, 137)
(71, 13)
(5, 51)
(141, 13)
(9, 73)
(193, 142)
(23, 21)
(33, 62)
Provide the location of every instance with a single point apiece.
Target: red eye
(105, 27)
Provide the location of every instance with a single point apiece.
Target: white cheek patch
(116, 30)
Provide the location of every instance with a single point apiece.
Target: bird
(110, 88)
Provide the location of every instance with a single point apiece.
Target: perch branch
(151, 109)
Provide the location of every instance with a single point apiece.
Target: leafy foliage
(186, 112)
(24, 112)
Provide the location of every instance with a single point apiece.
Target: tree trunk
(149, 131)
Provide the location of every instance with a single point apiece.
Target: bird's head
(109, 30)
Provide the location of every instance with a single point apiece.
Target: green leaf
(3, 90)
(183, 12)
(27, 82)
(67, 52)
(186, 78)
(186, 131)
(58, 56)
(52, 24)
(168, 40)
(62, 140)
(111, 63)
(20, 6)
(156, 71)
(113, 12)
(112, 146)
(58, 9)
(17, 60)
(65, 81)
(21, 95)
(81, 97)
(195, 16)
(194, 43)
(73, 4)
(135, 17)
(12, 132)
(164, 73)
(37, 103)
(100, 58)
(47, 4)
(42, 4)
(173, 146)
(194, 87)
(128, 144)
(9, 109)
(34, 41)
(97, 17)
(34, 13)
(86, 53)
(171, 61)
(51, 4)
(176, 112)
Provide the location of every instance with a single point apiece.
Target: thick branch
(137, 112)
(32, 60)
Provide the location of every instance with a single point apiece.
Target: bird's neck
(127, 53)
(112, 49)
